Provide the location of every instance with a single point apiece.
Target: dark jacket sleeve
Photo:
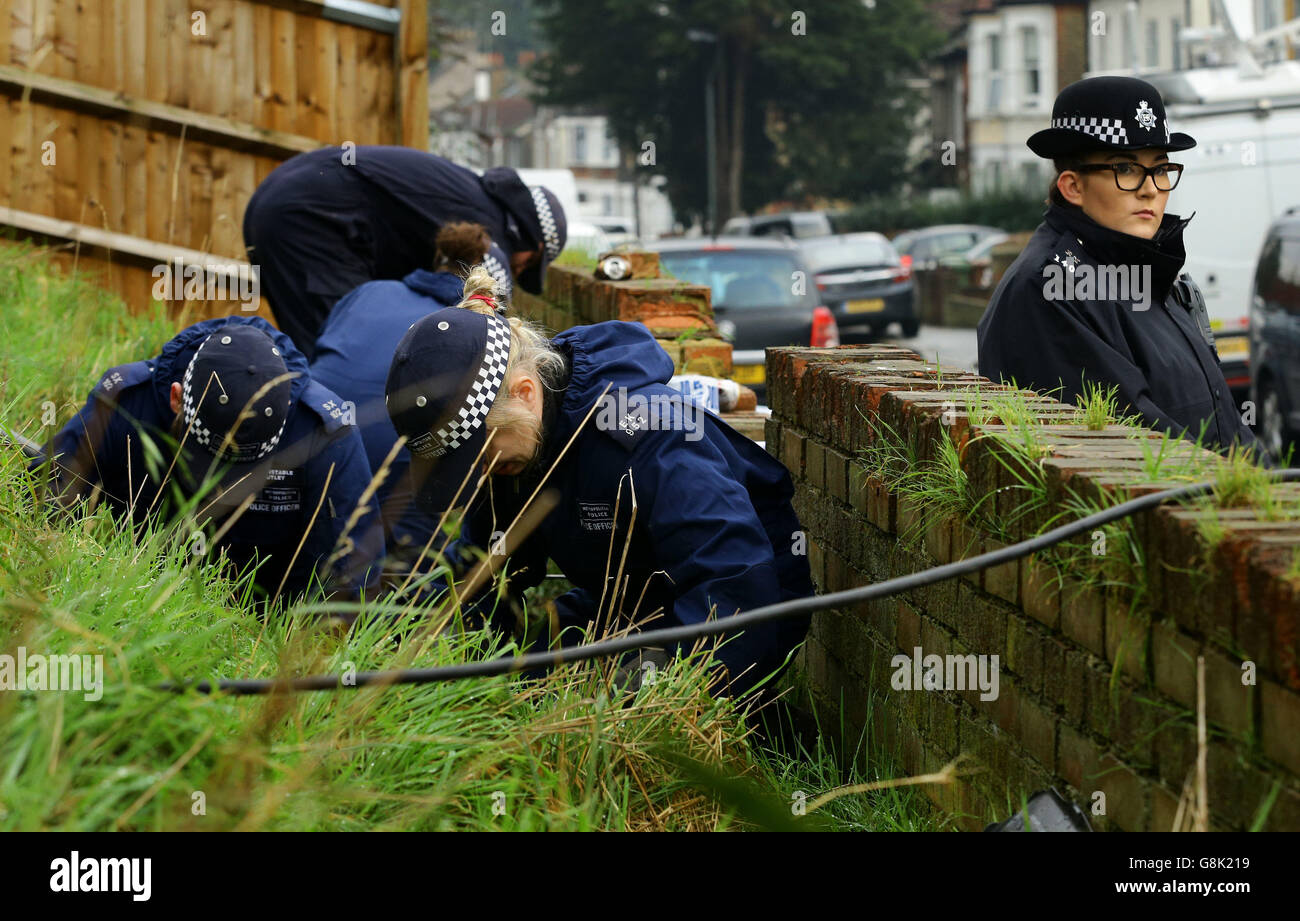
(708, 538)
(347, 538)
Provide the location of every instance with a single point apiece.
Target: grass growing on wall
(560, 752)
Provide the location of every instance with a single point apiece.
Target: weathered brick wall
(1066, 714)
(680, 316)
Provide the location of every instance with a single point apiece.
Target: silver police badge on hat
(1146, 116)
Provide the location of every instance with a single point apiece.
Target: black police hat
(1107, 113)
(235, 402)
(446, 374)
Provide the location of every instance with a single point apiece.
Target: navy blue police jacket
(133, 402)
(1158, 351)
(326, 221)
(713, 531)
(352, 357)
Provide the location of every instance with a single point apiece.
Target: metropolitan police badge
(1146, 116)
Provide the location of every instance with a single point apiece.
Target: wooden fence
(132, 132)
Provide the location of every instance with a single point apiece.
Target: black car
(762, 296)
(1275, 336)
(863, 281)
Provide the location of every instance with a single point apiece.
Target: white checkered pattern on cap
(1107, 130)
(547, 219)
(499, 273)
(202, 434)
(484, 390)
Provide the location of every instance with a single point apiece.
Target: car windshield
(847, 252)
(739, 278)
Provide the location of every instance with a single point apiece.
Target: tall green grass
(565, 751)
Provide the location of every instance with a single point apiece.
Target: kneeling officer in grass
(663, 518)
(267, 458)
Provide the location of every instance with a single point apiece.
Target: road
(954, 348)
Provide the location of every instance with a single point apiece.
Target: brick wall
(679, 314)
(1097, 693)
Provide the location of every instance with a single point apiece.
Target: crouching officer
(666, 516)
(1097, 297)
(324, 222)
(352, 357)
(227, 413)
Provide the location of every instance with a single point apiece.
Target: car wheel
(911, 327)
(1273, 431)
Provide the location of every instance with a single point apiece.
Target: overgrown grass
(560, 751)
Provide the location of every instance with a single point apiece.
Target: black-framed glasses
(1130, 176)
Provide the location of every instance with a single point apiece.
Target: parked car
(863, 281)
(1275, 336)
(757, 299)
(619, 230)
(922, 249)
(976, 262)
(796, 224)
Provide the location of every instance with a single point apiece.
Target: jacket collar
(1164, 252)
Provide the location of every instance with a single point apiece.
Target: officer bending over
(352, 357)
(326, 221)
(234, 395)
(713, 529)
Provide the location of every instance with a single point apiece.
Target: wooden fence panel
(154, 120)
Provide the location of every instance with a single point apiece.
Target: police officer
(352, 357)
(663, 509)
(1098, 297)
(253, 429)
(324, 222)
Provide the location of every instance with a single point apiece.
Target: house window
(1033, 72)
(580, 144)
(1153, 43)
(1175, 27)
(995, 72)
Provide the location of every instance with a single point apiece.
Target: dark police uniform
(352, 358)
(714, 529)
(1160, 354)
(131, 403)
(318, 226)
(1067, 313)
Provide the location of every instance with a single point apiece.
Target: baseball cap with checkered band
(446, 373)
(235, 402)
(555, 233)
(1107, 113)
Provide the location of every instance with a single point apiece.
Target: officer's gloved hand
(641, 666)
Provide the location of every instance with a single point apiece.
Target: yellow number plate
(872, 305)
(1233, 345)
(747, 374)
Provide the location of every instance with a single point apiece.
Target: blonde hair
(531, 354)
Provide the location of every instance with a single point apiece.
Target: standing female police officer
(712, 530)
(1096, 297)
(327, 221)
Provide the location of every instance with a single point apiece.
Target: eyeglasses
(1129, 177)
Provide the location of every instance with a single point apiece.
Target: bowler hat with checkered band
(446, 373)
(235, 401)
(1107, 113)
